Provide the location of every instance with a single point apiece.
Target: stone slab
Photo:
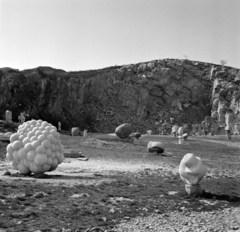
(72, 153)
(4, 139)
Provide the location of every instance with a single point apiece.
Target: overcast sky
(92, 34)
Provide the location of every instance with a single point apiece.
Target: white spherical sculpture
(35, 148)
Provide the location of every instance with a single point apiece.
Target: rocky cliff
(143, 94)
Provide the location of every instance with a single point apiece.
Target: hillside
(143, 94)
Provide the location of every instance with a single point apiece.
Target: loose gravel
(227, 220)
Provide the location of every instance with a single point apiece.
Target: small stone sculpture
(36, 148)
(185, 136)
(22, 117)
(174, 130)
(192, 171)
(229, 118)
(180, 135)
(123, 131)
(85, 133)
(8, 116)
(136, 135)
(59, 126)
(75, 131)
(149, 132)
(155, 147)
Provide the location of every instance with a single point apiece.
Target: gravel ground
(106, 158)
(217, 221)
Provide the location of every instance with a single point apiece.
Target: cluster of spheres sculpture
(35, 148)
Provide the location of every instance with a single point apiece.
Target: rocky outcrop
(226, 97)
(142, 94)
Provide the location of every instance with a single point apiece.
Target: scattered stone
(155, 147)
(75, 131)
(80, 195)
(59, 126)
(171, 193)
(8, 116)
(7, 173)
(185, 136)
(85, 133)
(72, 153)
(123, 131)
(136, 135)
(149, 132)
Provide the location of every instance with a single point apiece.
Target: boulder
(136, 135)
(155, 147)
(123, 131)
(185, 136)
(75, 131)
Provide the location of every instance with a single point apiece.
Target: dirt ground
(119, 181)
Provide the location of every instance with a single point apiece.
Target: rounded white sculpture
(35, 148)
(192, 171)
(75, 131)
(155, 147)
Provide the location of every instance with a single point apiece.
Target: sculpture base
(180, 141)
(193, 189)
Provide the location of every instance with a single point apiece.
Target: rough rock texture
(142, 94)
(226, 97)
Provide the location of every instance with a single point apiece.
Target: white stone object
(192, 171)
(59, 126)
(185, 136)
(155, 147)
(36, 148)
(8, 116)
(75, 131)
(85, 133)
(22, 117)
(180, 139)
(149, 132)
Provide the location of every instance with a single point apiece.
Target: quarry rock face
(144, 94)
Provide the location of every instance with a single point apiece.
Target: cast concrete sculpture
(192, 171)
(155, 147)
(85, 132)
(123, 131)
(229, 118)
(8, 116)
(175, 130)
(59, 126)
(35, 148)
(22, 117)
(75, 131)
(149, 132)
(185, 136)
(136, 135)
(180, 135)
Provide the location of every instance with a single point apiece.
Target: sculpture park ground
(120, 185)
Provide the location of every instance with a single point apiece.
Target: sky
(76, 35)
